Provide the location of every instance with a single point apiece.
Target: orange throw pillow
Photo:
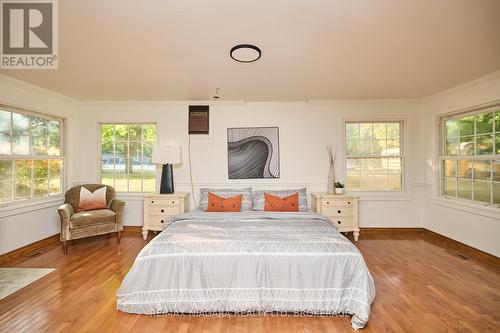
(274, 203)
(220, 204)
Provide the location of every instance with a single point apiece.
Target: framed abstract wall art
(253, 152)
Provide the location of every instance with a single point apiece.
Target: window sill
(131, 196)
(469, 207)
(381, 196)
(32, 205)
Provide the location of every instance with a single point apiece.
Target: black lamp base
(167, 179)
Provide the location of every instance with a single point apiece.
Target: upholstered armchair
(76, 224)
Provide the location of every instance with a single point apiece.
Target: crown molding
(206, 102)
(16, 83)
(461, 87)
(364, 102)
(8, 80)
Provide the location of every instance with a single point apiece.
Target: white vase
(330, 186)
(339, 190)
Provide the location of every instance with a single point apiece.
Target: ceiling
(132, 50)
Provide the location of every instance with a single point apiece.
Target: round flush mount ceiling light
(245, 53)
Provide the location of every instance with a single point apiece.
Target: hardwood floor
(422, 286)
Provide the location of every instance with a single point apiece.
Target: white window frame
(402, 153)
(99, 149)
(441, 149)
(35, 200)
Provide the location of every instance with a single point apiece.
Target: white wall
(476, 226)
(25, 223)
(304, 129)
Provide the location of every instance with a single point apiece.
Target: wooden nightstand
(342, 210)
(157, 207)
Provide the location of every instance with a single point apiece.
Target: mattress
(249, 262)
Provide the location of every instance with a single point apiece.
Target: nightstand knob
(339, 222)
(173, 201)
(328, 202)
(348, 202)
(339, 211)
(164, 221)
(162, 210)
(152, 201)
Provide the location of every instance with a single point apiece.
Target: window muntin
(31, 160)
(126, 162)
(470, 161)
(374, 155)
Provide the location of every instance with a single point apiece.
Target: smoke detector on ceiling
(217, 93)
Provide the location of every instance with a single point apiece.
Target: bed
(249, 262)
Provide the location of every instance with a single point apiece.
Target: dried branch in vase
(330, 186)
(332, 154)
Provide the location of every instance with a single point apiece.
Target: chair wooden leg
(119, 237)
(65, 247)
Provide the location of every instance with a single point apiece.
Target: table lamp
(167, 155)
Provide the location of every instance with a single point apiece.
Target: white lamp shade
(166, 154)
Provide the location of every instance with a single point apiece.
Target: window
(470, 156)
(374, 155)
(126, 156)
(31, 160)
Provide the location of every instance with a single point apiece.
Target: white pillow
(91, 201)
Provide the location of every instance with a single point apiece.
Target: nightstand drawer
(337, 202)
(157, 221)
(340, 222)
(163, 210)
(334, 211)
(165, 203)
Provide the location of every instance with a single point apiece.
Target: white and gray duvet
(249, 262)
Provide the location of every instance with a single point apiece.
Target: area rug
(13, 279)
